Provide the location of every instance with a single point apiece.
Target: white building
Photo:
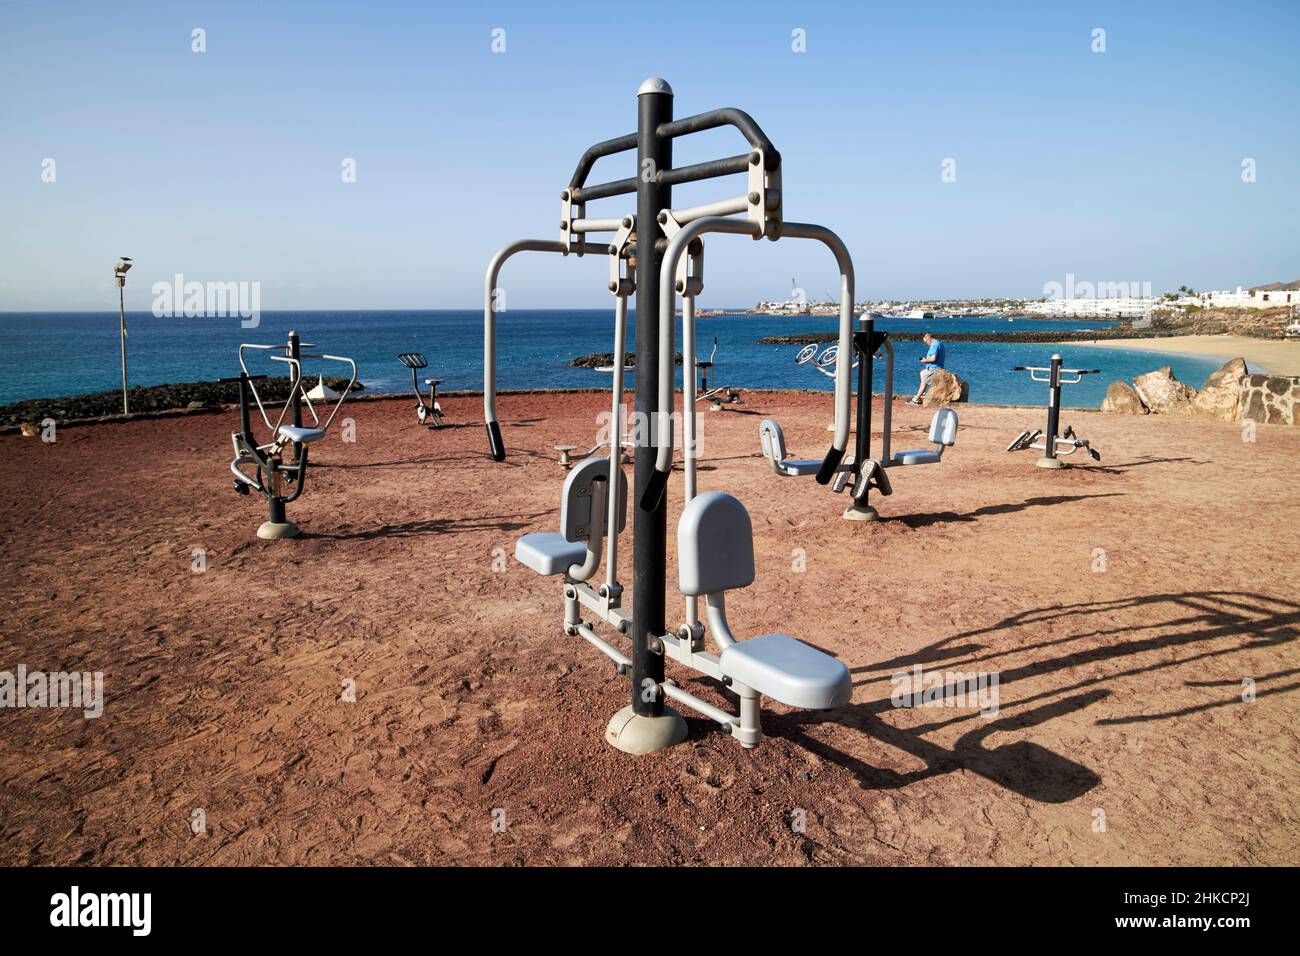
(783, 307)
(1244, 299)
(1118, 307)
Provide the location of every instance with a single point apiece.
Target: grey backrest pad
(575, 509)
(943, 427)
(715, 545)
(772, 440)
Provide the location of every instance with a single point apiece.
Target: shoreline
(1266, 356)
(11, 423)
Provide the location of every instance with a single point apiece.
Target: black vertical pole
(649, 527)
(1053, 406)
(295, 352)
(245, 426)
(295, 404)
(864, 342)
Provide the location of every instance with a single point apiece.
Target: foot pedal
(842, 477)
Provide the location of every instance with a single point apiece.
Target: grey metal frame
(662, 269)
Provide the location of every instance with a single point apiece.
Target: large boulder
(945, 389)
(1163, 394)
(1220, 396)
(1122, 399)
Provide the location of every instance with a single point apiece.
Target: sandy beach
(1122, 604)
(1275, 356)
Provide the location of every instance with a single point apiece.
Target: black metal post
(649, 526)
(1053, 406)
(275, 505)
(245, 426)
(864, 347)
(295, 353)
(295, 403)
(121, 320)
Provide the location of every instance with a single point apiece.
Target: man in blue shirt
(931, 363)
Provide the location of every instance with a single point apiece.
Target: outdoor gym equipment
(279, 478)
(861, 472)
(715, 539)
(715, 395)
(1050, 445)
(825, 362)
(569, 454)
(430, 414)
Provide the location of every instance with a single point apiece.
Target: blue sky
(225, 165)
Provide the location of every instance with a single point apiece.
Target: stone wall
(150, 399)
(1270, 399)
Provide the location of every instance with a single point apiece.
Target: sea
(48, 354)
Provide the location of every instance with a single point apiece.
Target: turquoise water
(53, 354)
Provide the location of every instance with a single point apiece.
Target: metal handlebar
(829, 357)
(256, 397)
(827, 362)
(295, 383)
(342, 398)
(662, 434)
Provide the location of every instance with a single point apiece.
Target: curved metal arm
(342, 398)
(596, 532)
(495, 443)
(253, 388)
(829, 359)
(663, 431)
(886, 452)
(295, 382)
(609, 147)
(295, 385)
(726, 116)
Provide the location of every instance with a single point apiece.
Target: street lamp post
(119, 272)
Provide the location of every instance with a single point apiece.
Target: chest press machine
(1050, 444)
(860, 472)
(277, 476)
(658, 253)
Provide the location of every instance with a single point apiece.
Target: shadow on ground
(1187, 620)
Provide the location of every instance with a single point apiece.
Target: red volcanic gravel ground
(1122, 606)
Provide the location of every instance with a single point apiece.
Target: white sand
(1276, 356)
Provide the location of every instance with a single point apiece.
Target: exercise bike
(429, 414)
(275, 475)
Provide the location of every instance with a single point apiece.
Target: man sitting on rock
(931, 363)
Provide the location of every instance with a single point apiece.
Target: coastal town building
(784, 307)
(1094, 308)
(1243, 299)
